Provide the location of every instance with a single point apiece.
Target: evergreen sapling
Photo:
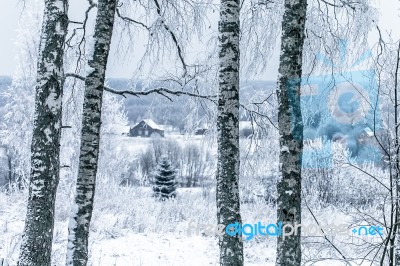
(165, 180)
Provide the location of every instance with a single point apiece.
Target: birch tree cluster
(61, 128)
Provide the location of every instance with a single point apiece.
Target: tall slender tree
(45, 147)
(290, 130)
(91, 122)
(228, 201)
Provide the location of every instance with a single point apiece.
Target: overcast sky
(9, 17)
(8, 24)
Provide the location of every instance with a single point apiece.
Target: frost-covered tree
(45, 148)
(228, 201)
(90, 138)
(114, 162)
(386, 62)
(17, 122)
(165, 180)
(290, 129)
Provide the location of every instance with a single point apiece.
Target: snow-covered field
(130, 228)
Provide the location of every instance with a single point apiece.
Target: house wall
(143, 130)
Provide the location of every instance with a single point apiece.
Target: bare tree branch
(178, 47)
(130, 20)
(162, 91)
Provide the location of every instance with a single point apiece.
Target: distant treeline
(163, 111)
(156, 107)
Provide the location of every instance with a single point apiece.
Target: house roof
(151, 124)
(368, 131)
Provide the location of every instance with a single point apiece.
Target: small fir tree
(165, 180)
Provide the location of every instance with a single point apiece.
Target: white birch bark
(290, 130)
(228, 201)
(45, 147)
(77, 253)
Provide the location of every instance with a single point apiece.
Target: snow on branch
(174, 39)
(162, 91)
(127, 19)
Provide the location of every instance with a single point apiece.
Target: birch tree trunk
(290, 130)
(89, 151)
(44, 177)
(228, 201)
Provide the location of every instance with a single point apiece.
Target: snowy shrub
(166, 147)
(343, 181)
(192, 162)
(196, 165)
(147, 163)
(259, 168)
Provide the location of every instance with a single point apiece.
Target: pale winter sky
(9, 17)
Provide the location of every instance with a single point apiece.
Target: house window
(146, 132)
(139, 132)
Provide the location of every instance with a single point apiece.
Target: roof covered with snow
(152, 124)
(369, 132)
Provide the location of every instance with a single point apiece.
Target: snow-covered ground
(129, 227)
(133, 230)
